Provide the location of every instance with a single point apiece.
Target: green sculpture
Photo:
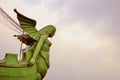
(35, 59)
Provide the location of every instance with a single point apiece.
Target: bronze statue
(35, 59)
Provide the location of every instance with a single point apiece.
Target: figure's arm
(38, 48)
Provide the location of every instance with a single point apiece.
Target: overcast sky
(87, 42)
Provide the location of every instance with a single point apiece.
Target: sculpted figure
(35, 59)
(38, 53)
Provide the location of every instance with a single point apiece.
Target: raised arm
(38, 47)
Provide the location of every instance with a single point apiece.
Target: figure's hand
(32, 61)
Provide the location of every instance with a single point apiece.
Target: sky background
(86, 45)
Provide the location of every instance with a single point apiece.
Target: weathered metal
(35, 59)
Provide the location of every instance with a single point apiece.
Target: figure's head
(48, 30)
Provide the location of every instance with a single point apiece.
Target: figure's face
(52, 34)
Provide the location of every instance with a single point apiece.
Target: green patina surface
(35, 60)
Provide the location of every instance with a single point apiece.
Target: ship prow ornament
(35, 60)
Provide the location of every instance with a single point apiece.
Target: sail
(28, 25)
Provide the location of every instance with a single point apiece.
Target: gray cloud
(92, 12)
(32, 2)
(76, 60)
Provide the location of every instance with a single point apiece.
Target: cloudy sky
(87, 42)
